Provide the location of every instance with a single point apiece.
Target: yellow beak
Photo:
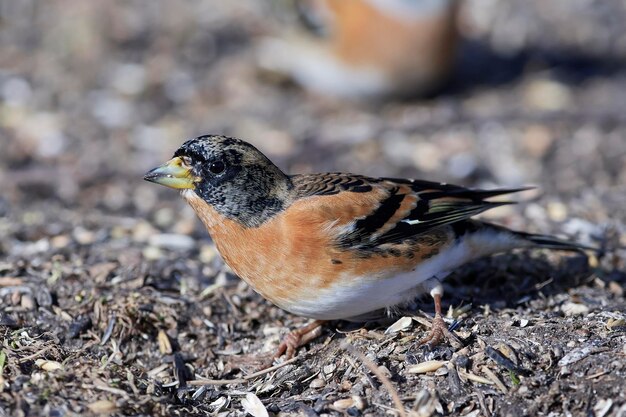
(173, 174)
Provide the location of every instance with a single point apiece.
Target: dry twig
(205, 381)
(376, 371)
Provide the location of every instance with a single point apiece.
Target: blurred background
(520, 92)
(93, 94)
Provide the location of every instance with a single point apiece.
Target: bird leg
(439, 329)
(297, 338)
(436, 334)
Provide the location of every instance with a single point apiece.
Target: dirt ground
(113, 299)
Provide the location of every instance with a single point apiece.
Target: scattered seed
(102, 407)
(47, 365)
(165, 346)
(458, 312)
(462, 361)
(343, 404)
(108, 331)
(78, 326)
(218, 404)
(359, 402)
(616, 289)
(172, 241)
(253, 405)
(502, 360)
(475, 378)
(612, 323)
(425, 367)
(10, 281)
(317, 383)
(454, 380)
(402, 324)
(329, 369)
(43, 296)
(441, 371)
(574, 309)
(28, 302)
(577, 355)
(493, 377)
(100, 272)
(603, 407)
(155, 371)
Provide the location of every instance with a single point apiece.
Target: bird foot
(438, 332)
(288, 346)
(299, 337)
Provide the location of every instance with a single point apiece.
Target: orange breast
(295, 254)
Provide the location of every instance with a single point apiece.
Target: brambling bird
(369, 47)
(335, 245)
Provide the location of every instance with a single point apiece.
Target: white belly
(357, 296)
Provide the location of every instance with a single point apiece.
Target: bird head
(230, 175)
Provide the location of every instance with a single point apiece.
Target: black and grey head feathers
(235, 178)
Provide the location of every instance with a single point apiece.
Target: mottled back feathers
(406, 208)
(251, 190)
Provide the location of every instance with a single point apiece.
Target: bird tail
(532, 240)
(551, 242)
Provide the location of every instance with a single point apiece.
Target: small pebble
(172, 241)
(143, 231)
(83, 236)
(537, 140)
(164, 217)
(616, 289)
(557, 211)
(548, 95)
(152, 253)
(60, 242)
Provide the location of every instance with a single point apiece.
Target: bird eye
(186, 160)
(217, 167)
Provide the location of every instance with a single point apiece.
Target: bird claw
(288, 346)
(299, 337)
(438, 332)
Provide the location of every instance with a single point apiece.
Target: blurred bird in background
(368, 48)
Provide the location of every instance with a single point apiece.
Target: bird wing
(398, 210)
